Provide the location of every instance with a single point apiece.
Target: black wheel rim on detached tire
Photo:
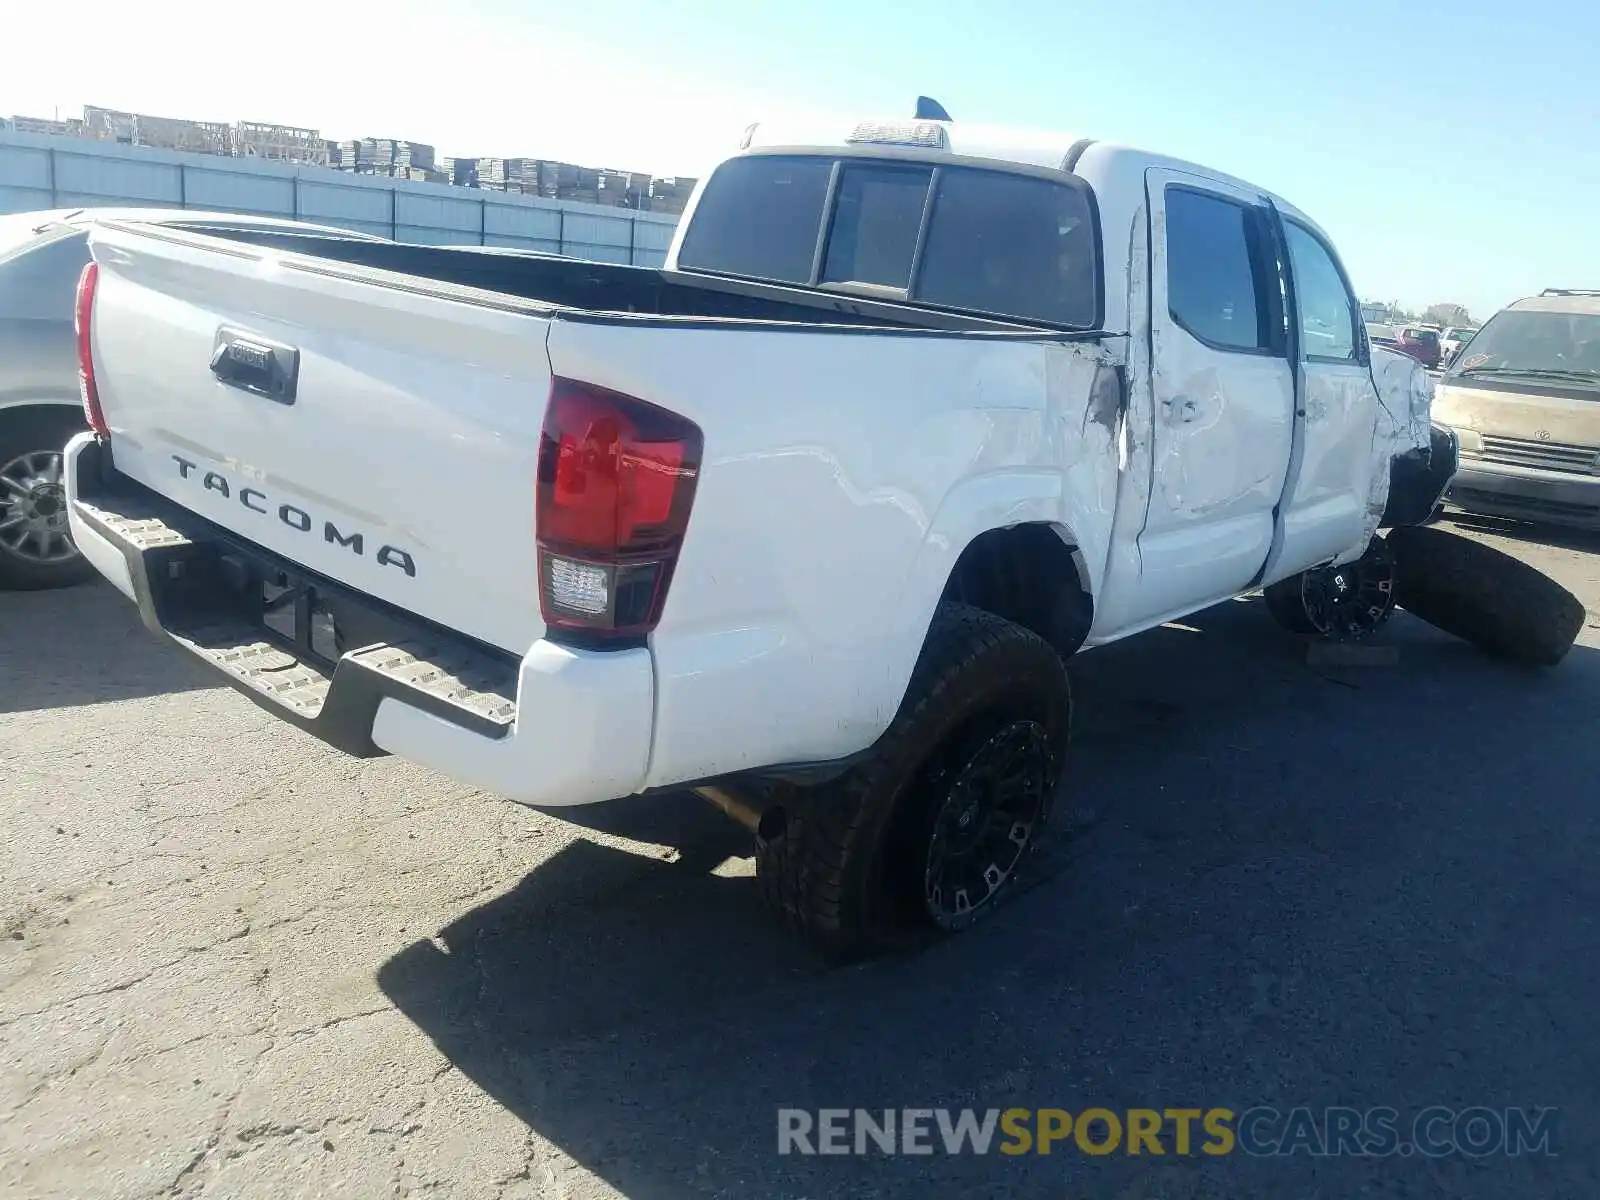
(1350, 602)
(33, 509)
(990, 802)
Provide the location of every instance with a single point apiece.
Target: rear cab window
(759, 217)
(953, 237)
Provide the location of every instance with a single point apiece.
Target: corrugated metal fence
(38, 171)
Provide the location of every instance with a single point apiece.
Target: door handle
(1181, 411)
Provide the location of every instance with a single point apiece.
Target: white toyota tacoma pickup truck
(807, 520)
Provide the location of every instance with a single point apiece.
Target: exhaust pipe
(731, 806)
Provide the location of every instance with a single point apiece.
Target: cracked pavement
(237, 964)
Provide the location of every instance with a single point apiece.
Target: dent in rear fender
(1135, 445)
(1072, 485)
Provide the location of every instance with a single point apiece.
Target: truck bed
(576, 286)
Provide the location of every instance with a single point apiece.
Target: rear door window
(1213, 288)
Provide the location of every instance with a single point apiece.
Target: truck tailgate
(377, 432)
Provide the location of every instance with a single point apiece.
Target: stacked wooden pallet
(355, 154)
(669, 195)
(556, 177)
(463, 172)
(411, 155)
(384, 156)
(509, 174)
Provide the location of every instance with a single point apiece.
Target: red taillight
(616, 481)
(82, 323)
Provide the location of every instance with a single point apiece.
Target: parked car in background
(1422, 343)
(1451, 341)
(1380, 334)
(41, 256)
(1524, 399)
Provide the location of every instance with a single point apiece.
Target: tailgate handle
(256, 364)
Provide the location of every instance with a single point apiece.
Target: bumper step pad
(487, 691)
(173, 560)
(136, 525)
(235, 648)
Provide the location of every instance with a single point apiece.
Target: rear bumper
(559, 727)
(1527, 494)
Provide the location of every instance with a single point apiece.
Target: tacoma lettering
(294, 517)
(390, 557)
(330, 533)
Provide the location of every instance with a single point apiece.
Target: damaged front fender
(1413, 458)
(1405, 395)
(1418, 479)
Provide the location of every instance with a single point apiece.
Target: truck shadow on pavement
(1557, 536)
(84, 645)
(1276, 885)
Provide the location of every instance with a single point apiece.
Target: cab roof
(1023, 147)
(1574, 303)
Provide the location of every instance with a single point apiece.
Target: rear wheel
(928, 833)
(987, 796)
(1340, 604)
(36, 550)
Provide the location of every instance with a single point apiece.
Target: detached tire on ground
(35, 549)
(927, 833)
(1498, 603)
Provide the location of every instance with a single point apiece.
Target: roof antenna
(929, 109)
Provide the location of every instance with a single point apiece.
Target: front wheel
(36, 551)
(1338, 604)
(929, 832)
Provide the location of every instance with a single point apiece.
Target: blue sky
(1451, 152)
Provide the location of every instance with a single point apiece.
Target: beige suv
(1524, 398)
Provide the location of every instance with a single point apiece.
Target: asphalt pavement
(237, 964)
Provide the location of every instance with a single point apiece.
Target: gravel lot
(238, 964)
